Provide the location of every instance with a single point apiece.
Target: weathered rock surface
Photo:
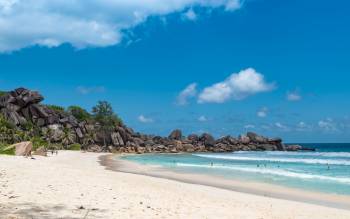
(41, 151)
(175, 135)
(23, 106)
(23, 148)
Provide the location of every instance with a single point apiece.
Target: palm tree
(68, 137)
(88, 139)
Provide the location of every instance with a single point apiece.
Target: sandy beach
(76, 185)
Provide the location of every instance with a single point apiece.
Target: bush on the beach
(3, 150)
(38, 142)
(74, 147)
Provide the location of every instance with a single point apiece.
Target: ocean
(325, 170)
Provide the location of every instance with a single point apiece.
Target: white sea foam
(278, 159)
(316, 154)
(291, 153)
(277, 172)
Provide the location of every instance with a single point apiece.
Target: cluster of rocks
(176, 143)
(22, 106)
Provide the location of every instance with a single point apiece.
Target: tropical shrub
(74, 147)
(7, 151)
(79, 113)
(56, 108)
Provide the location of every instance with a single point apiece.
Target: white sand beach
(75, 185)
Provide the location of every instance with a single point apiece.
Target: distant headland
(25, 118)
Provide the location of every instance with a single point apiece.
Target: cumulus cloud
(249, 126)
(327, 125)
(144, 119)
(293, 96)
(190, 15)
(238, 86)
(87, 90)
(303, 126)
(281, 126)
(189, 92)
(262, 113)
(81, 23)
(202, 119)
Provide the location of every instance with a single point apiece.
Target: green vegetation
(79, 113)
(5, 150)
(106, 118)
(38, 142)
(102, 118)
(103, 114)
(74, 147)
(68, 137)
(2, 93)
(9, 134)
(56, 108)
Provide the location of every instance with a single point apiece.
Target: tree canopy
(79, 113)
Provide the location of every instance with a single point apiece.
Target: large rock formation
(23, 148)
(23, 106)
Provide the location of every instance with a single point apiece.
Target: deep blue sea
(326, 170)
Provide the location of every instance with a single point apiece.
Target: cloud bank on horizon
(86, 23)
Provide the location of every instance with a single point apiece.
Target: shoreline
(75, 185)
(114, 163)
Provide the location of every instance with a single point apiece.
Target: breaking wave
(278, 159)
(277, 172)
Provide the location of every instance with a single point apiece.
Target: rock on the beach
(207, 139)
(257, 138)
(23, 148)
(175, 135)
(293, 148)
(244, 139)
(41, 151)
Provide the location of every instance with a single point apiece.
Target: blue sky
(283, 66)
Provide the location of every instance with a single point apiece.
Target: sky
(278, 68)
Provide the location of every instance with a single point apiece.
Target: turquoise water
(326, 170)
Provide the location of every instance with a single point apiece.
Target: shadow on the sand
(32, 210)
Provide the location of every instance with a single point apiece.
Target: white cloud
(145, 119)
(327, 125)
(281, 126)
(266, 127)
(202, 119)
(293, 96)
(82, 23)
(238, 86)
(249, 126)
(189, 92)
(303, 126)
(190, 15)
(262, 113)
(87, 90)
